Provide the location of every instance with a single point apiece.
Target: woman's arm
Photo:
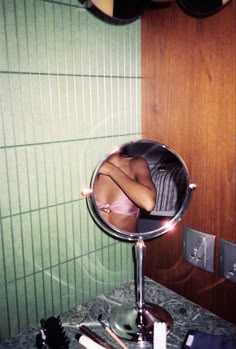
(140, 190)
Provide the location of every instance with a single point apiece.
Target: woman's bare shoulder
(139, 164)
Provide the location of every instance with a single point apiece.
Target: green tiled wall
(70, 92)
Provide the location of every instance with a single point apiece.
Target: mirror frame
(194, 9)
(128, 236)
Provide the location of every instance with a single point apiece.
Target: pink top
(123, 205)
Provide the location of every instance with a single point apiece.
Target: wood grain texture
(188, 103)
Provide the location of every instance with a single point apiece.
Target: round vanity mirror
(121, 11)
(140, 190)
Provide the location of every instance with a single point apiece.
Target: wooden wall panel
(188, 103)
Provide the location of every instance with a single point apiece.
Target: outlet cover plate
(199, 248)
(227, 260)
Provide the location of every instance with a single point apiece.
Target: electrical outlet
(198, 248)
(228, 260)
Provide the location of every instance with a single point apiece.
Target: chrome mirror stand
(136, 322)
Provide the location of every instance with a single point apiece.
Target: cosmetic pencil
(112, 334)
(95, 337)
(115, 337)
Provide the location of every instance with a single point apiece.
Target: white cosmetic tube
(159, 335)
(87, 342)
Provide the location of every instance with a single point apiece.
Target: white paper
(189, 341)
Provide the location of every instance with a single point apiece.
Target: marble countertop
(186, 316)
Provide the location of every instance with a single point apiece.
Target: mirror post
(139, 256)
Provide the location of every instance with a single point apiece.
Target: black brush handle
(52, 334)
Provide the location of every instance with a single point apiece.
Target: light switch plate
(198, 248)
(227, 260)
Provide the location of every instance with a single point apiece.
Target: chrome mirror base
(134, 324)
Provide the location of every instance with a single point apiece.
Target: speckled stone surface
(186, 316)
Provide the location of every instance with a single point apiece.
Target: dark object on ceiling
(201, 8)
(116, 11)
(121, 12)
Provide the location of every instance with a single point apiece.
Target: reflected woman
(124, 186)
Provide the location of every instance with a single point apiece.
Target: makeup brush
(111, 333)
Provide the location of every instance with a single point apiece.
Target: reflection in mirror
(123, 187)
(140, 190)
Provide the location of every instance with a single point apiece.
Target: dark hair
(128, 150)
